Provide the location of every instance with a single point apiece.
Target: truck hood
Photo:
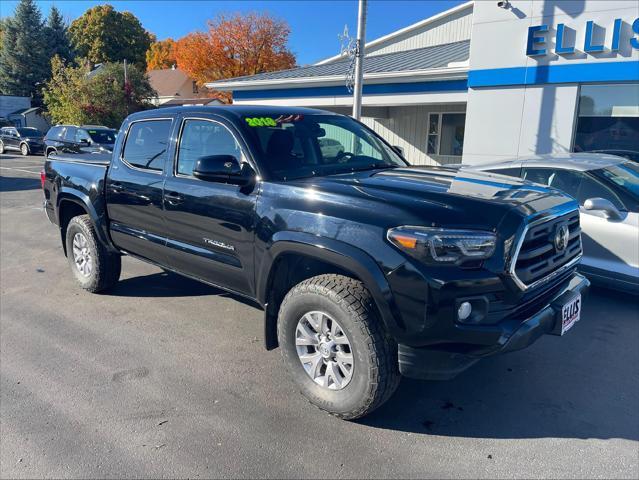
(436, 196)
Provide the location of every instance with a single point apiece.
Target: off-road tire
(375, 372)
(106, 265)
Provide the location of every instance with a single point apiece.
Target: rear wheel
(94, 267)
(335, 347)
(24, 149)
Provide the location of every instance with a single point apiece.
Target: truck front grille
(540, 254)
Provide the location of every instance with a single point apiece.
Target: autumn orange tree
(161, 55)
(235, 45)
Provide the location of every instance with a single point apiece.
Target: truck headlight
(443, 246)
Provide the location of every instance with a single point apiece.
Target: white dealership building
(485, 80)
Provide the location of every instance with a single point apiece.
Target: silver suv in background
(607, 188)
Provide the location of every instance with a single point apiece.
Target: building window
(195, 89)
(608, 118)
(446, 134)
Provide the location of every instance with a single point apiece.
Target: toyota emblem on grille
(561, 238)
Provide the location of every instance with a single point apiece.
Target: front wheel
(24, 149)
(335, 347)
(94, 267)
(1, 147)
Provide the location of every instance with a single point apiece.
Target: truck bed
(76, 176)
(91, 158)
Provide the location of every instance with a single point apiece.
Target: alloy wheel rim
(24, 149)
(82, 254)
(324, 350)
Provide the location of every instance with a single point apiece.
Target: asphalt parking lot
(165, 377)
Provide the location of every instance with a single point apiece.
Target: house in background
(18, 112)
(11, 103)
(29, 117)
(174, 88)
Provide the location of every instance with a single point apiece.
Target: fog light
(464, 310)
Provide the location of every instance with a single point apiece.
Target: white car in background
(330, 148)
(607, 188)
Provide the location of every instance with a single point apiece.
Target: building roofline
(404, 30)
(445, 73)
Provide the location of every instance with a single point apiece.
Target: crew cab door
(209, 225)
(134, 189)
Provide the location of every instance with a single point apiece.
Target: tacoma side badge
(217, 243)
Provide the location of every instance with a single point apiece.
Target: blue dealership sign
(536, 43)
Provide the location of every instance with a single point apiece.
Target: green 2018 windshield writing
(273, 122)
(261, 122)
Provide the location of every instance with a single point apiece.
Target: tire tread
(107, 265)
(352, 294)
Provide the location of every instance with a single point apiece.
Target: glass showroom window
(608, 118)
(446, 134)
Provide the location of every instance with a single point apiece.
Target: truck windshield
(298, 146)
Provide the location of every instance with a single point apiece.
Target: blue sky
(315, 24)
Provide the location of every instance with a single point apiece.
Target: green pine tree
(24, 64)
(57, 37)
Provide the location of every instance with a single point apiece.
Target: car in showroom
(79, 139)
(607, 189)
(26, 140)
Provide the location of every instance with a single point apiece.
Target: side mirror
(223, 169)
(84, 141)
(603, 205)
(399, 150)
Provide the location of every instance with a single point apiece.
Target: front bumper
(441, 363)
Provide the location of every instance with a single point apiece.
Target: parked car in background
(330, 148)
(82, 139)
(607, 188)
(25, 140)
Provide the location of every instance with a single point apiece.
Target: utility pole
(359, 60)
(126, 88)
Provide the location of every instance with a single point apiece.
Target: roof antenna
(348, 50)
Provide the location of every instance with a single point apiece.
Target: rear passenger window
(70, 134)
(202, 138)
(147, 143)
(55, 132)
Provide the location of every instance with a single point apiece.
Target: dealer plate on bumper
(568, 315)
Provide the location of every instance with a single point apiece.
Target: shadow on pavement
(168, 285)
(17, 184)
(583, 385)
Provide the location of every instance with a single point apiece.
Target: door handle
(173, 198)
(118, 187)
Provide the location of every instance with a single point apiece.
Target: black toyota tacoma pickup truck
(366, 268)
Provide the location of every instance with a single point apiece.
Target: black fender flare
(342, 255)
(73, 195)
